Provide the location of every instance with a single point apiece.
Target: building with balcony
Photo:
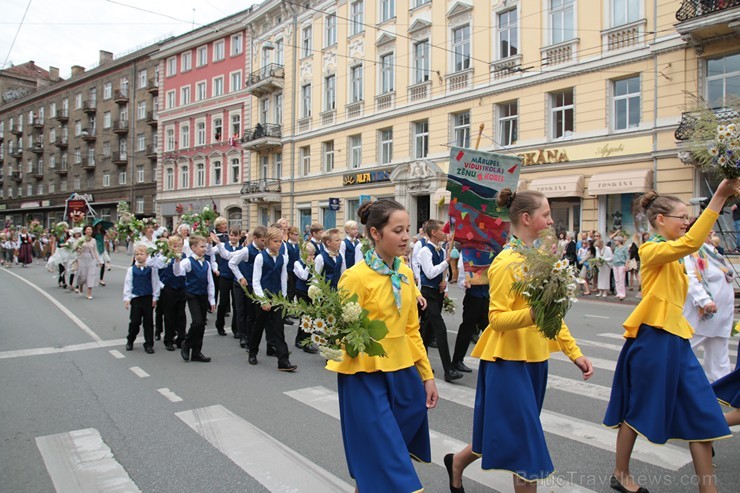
(66, 135)
(201, 121)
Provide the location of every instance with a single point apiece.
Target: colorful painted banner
(481, 228)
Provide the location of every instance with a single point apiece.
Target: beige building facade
(360, 98)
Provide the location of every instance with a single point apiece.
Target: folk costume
(331, 265)
(351, 251)
(25, 248)
(141, 288)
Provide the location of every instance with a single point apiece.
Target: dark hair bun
(505, 197)
(364, 211)
(647, 199)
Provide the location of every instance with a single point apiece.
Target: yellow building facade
(352, 99)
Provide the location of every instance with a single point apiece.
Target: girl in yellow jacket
(660, 390)
(507, 432)
(383, 402)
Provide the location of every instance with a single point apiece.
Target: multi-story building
(201, 120)
(93, 134)
(357, 98)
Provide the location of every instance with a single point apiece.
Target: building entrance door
(566, 215)
(422, 211)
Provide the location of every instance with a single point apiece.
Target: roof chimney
(53, 74)
(77, 70)
(105, 57)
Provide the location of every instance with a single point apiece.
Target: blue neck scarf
(378, 265)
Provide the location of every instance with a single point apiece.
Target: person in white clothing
(415, 266)
(605, 253)
(350, 249)
(709, 307)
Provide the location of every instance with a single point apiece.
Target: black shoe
(476, 336)
(243, 342)
(460, 366)
(287, 367)
(311, 349)
(448, 465)
(178, 343)
(185, 352)
(149, 349)
(615, 484)
(129, 346)
(200, 358)
(252, 359)
(222, 332)
(452, 374)
(433, 343)
(271, 351)
(236, 336)
(287, 321)
(158, 336)
(169, 346)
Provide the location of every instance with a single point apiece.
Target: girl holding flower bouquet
(659, 389)
(507, 433)
(383, 402)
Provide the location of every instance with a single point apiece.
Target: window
(184, 177)
(52, 161)
(52, 188)
(186, 61)
(123, 114)
(305, 153)
(29, 190)
(387, 74)
(236, 125)
(355, 151)
(419, 3)
(218, 50)
(508, 35)
(62, 186)
(201, 56)
(264, 165)
(124, 86)
(78, 155)
(169, 143)
(723, 80)
(200, 175)
(279, 109)
(142, 80)
(561, 20)
(264, 115)
(306, 41)
(106, 149)
(170, 99)
(185, 95)
(107, 92)
(421, 61)
(279, 52)
(217, 173)
(235, 81)
(356, 80)
(140, 142)
(421, 139)
(200, 91)
(78, 103)
(169, 179)
(235, 178)
(218, 86)
(139, 205)
(328, 154)
(171, 66)
(107, 119)
(278, 171)
(184, 136)
(141, 110)
(627, 103)
(461, 129)
(508, 122)
(330, 30)
(562, 114)
(200, 134)
(330, 92)
(386, 145)
(387, 10)
(461, 48)
(140, 173)
(356, 17)
(78, 128)
(106, 179)
(306, 101)
(217, 129)
(237, 44)
(122, 178)
(625, 11)
(53, 109)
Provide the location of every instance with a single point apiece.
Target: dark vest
(246, 268)
(142, 281)
(349, 252)
(437, 258)
(300, 284)
(294, 253)
(196, 281)
(168, 277)
(271, 271)
(332, 268)
(223, 264)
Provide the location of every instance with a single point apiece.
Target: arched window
(169, 179)
(235, 218)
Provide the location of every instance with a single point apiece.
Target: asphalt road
(77, 409)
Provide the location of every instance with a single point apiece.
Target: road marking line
(139, 372)
(596, 435)
(603, 364)
(81, 461)
(116, 354)
(596, 316)
(602, 345)
(171, 396)
(579, 387)
(87, 330)
(274, 465)
(732, 352)
(327, 402)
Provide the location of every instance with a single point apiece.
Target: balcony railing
(354, 110)
(61, 169)
(16, 130)
(38, 172)
(87, 163)
(265, 80)
(459, 81)
(17, 176)
(16, 153)
(691, 9)
(90, 106)
(121, 96)
(88, 134)
(37, 148)
(61, 142)
(153, 87)
(263, 190)
(62, 115)
(152, 118)
(385, 101)
(688, 122)
(151, 152)
(120, 127)
(120, 158)
(262, 136)
(38, 123)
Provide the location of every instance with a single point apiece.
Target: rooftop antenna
(193, 26)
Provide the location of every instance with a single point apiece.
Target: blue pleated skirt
(660, 390)
(384, 425)
(507, 431)
(727, 389)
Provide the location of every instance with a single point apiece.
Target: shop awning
(558, 186)
(632, 181)
(521, 185)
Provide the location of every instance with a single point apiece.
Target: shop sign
(618, 184)
(367, 177)
(544, 156)
(3, 207)
(333, 203)
(29, 205)
(45, 203)
(607, 150)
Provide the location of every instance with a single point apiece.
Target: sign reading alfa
(366, 177)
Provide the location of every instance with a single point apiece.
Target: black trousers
(270, 322)
(198, 306)
(291, 284)
(475, 318)
(434, 326)
(61, 278)
(173, 302)
(141, 311)
(244, 310)
(300, 334)
(225, 287)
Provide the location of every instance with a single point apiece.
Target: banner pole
(480, 133)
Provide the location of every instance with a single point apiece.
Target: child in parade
(303, 279)
(317, 233)
(294, 254)
(140, 293)
(226, 279)
(241, 264)
(200, 296)
(507, 433)
(270, 275)
(474, 317)
(172, 298)
(676, 401)
(328, 261)
(394, 392)
(350, 249)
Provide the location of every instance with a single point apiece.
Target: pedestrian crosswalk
(80, 460)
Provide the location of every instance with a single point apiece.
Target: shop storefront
(565, 194)
(618, 196)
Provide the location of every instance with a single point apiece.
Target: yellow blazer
(664, 281)
(511, 333)
(403, 343)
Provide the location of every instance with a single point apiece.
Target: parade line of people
(660, 390)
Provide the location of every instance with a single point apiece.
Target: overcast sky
(62, 33)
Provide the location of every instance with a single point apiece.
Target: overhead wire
(20, 25)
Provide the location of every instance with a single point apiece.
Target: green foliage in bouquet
(163, 247)
(365, 245)
(201, 223)
(60, 229)
(448, 306)
(595, 263)
(74, 245)
(35, 228)
(715, 144)
(547, 282)
(127, 226)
